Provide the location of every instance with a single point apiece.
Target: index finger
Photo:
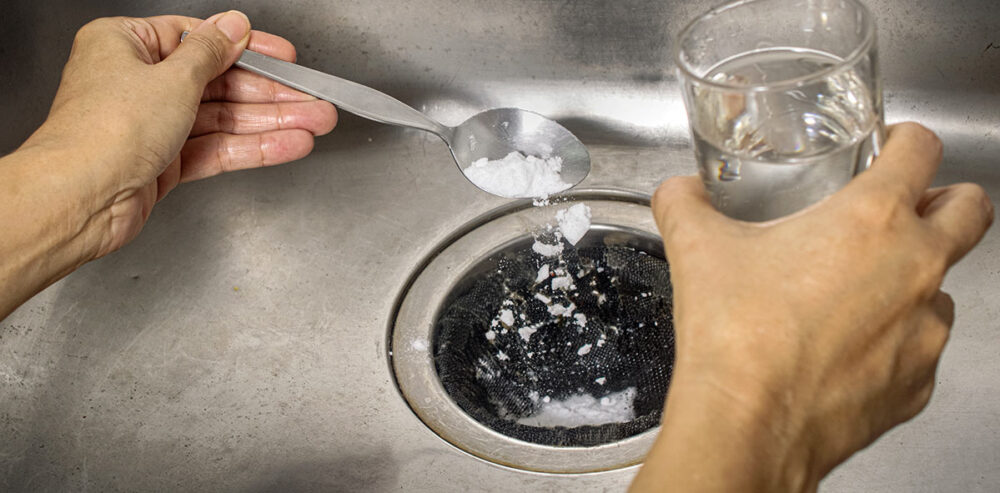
(908, 161)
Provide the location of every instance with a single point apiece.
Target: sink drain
(555, 364)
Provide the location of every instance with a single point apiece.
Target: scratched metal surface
(238, 343)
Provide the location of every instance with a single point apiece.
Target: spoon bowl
(496, 133)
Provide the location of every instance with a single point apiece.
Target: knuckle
(977, 195)
(923, 397)
(331, 119)
(260, 155)
(92, 28)
(223, 155)
(917, 131)
(100, 27)
(666, 190)
(924, 136)
(663, 204)
(226, 118)
(936, 338)
(880, 210)
(918, 398)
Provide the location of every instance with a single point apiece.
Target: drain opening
(570, 351)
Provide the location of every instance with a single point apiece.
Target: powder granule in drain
(546, 250)
(558, 309)
(563, 282)
(584, 410)
(518, 176)
(507, 317)
(525, 332)
(543, 273)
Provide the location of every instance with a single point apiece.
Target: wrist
(48, 224)
(726, 434)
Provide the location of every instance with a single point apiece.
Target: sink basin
(241, 341)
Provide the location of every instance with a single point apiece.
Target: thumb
(213, 46)
(681, 207)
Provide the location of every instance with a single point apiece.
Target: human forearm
(50, 223)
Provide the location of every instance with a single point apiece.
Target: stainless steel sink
(240, 341)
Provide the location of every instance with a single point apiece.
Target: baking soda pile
(583, 410)
(518, 176)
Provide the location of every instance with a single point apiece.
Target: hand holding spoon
(491, 134)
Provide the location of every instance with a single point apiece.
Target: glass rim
(850, 60)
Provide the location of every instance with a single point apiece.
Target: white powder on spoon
(518, 176)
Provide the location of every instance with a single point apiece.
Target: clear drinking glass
(784, 101)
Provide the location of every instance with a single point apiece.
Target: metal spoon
(491, 134)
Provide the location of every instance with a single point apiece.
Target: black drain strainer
(510, 341)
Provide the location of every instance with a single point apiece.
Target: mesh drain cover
(556, 364)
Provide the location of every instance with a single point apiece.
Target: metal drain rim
(413, 326)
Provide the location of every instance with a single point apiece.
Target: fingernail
(233, 24)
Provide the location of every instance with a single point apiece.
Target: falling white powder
(544, 299)
(507, 317)
(583, 410)
(574, 222)
(518, 176)
(584, 350)
(490, 335)
(600, 381)
(543, 273)
(419, 345)
(502, 356)
(581, 319)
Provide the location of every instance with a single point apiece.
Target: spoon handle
(346, 95)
